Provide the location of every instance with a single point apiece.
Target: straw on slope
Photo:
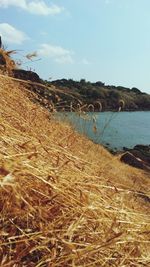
(65, 201)
(7, 64)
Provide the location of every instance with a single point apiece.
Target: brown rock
(26, 75)
(130, 159)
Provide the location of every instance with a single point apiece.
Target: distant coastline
(100, 97)
(70, 95)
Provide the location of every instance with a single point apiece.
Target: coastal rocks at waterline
(140, 151)
(138, 157)
(130, 159)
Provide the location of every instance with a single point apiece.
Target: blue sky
(99, 40)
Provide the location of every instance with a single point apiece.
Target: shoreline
(138, 156)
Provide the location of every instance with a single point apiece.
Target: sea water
(114, 130)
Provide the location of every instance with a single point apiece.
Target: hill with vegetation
(73, 95)
(64, 201)
(110, 97)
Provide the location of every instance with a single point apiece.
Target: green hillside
(110, 97)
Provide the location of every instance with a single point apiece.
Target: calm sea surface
(113, 129)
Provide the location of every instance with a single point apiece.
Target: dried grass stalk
(64, 201)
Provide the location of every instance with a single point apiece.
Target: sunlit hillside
(65, 201)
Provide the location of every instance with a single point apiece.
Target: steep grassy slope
(65, 201)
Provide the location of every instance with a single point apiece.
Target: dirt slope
(65, 201)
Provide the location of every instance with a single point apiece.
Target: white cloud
(43, 33)
(38, 7)
(11, 35)
(17, 3)
(85, 61)
(57, 53)
(64, 59)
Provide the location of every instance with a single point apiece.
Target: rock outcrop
(26, 75)
(138, 157)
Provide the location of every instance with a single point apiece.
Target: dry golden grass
(8, 62)
(65, 201)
